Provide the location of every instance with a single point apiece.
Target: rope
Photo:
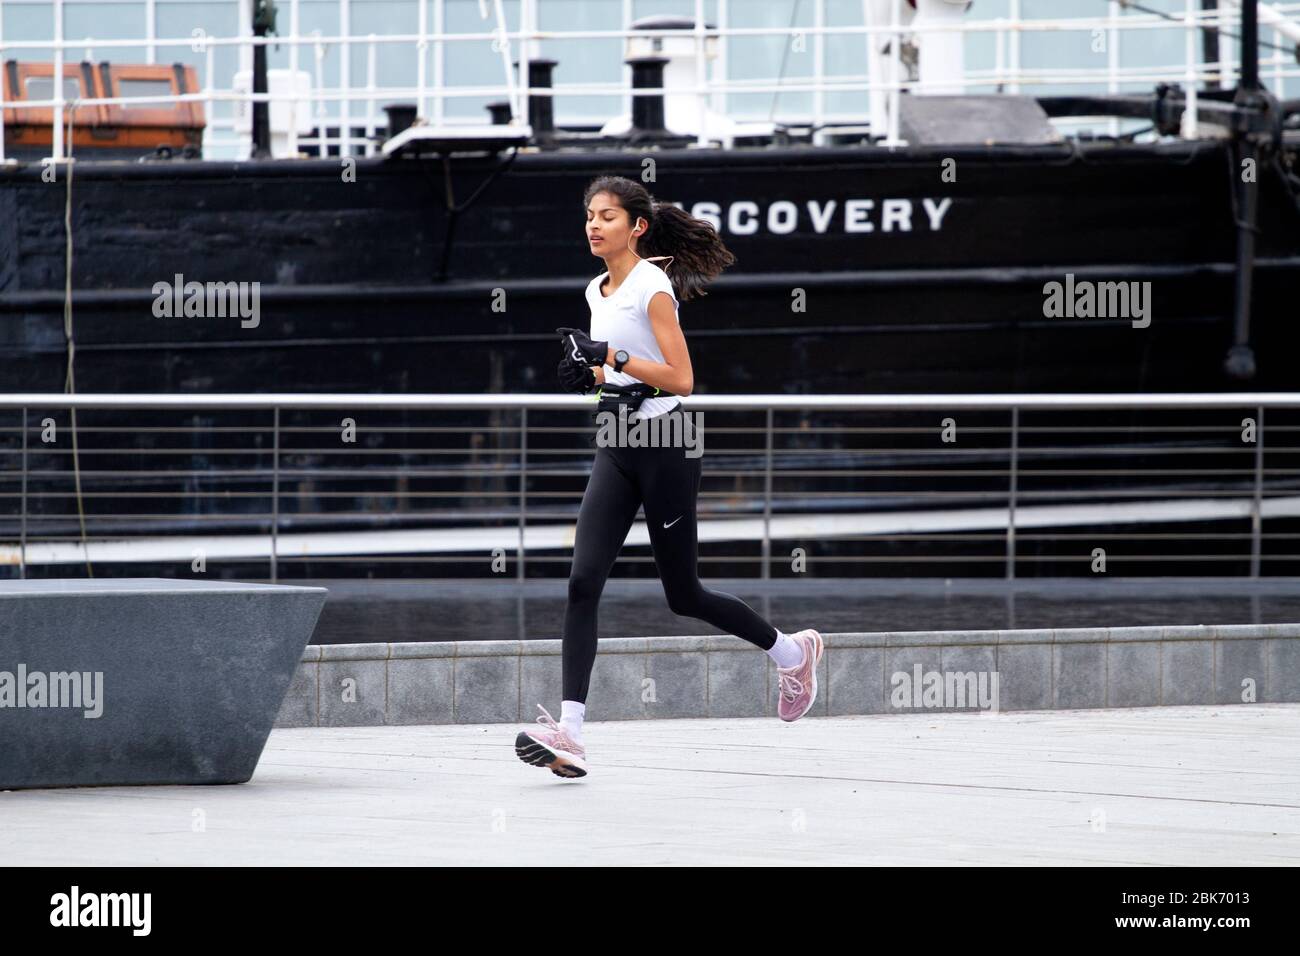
(1222, 32)
(69, 382)
(785, 57)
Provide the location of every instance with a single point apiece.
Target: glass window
(144, 88)
(42, 87)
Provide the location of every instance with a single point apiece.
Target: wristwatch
(620, 359)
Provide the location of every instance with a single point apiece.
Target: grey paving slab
(1213, 785)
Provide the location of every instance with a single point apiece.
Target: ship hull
(857, 270)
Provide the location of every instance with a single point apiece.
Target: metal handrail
(940, 514)
(991, 400)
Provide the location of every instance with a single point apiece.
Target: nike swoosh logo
(674, 521)
(577, 355)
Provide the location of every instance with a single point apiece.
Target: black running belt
(611, 397)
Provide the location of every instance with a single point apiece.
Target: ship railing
(1008, 74)
(432, 485)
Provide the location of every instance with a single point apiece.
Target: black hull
(369, 286)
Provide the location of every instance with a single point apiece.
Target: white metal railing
(497, 473)
(514, 400)
(1006, 74)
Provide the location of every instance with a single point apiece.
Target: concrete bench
(144, 680)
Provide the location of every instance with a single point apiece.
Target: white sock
(571, 712)
(786, 651)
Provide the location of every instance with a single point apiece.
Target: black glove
(581, 349)
(576, 377)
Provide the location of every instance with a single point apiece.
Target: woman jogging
(635, 332)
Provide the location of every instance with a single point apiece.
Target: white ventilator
(941, 59)
(685, 114)
(930, 59)
(283, 86)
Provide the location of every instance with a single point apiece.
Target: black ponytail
(698, 252)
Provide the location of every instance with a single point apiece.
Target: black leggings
(667, 482)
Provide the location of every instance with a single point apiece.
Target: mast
(263, 24)
(1252, 125)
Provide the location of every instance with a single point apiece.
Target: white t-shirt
(623, 321)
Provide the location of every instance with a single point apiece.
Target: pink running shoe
(799, 683)
(551, 746)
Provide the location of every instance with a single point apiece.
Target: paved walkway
(1166, 785)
